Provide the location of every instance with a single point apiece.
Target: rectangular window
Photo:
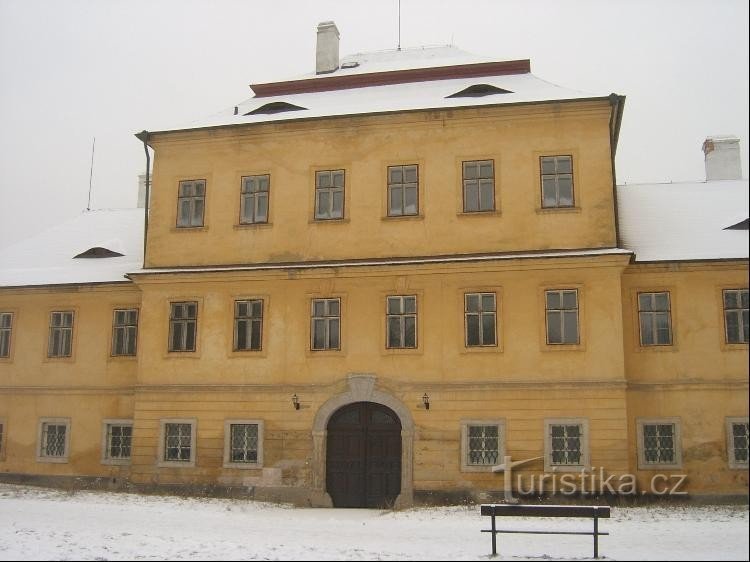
(562, 316)
(124, 331)
(557, 181)
(243, 443)
(60, 334)
(403, 191)
(183, 320)
(191, 199)
(401, 319)
(479, 186)
(566, 444)
(6, 326)
(248, 325)
(326, 324)
(254, 199)
(736, 316)
(480, 314)
(658, 443)
(118, 441)
(329, 194)
(54, 436)
(2, 443)
(483, 445)
(737, 442)
(655, 319)
(178, 442)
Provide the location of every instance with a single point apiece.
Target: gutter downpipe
(617, 104)
(144, 137)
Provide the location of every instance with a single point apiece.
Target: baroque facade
(373, 284)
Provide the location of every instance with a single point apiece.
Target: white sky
(76, 69)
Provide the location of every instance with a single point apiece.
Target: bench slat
(545, 532)
(517, 510)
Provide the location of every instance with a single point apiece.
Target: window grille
(244, 443)
(177, 442)
(566, 446)
(53, 440)
(739, 443)
(659, 443)
(119, 441)
(483, 445)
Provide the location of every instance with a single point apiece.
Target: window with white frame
(329, 194)
(60, 334)
(124, 332)
(557, 181)
(54, 439)
(118, 441)
(401, 319)
(2, 437)
(654, 318)
(562, 316)
(6, 327)
(248, 325)
(177, 445)
(254, 199)
(479, 186)
(243, 443)
(737, 442)
(736, 323)
(325, 324)
(183, 322)
(191, 200)
(480, 311)
(403, 190)
(482, 444)
(566, 444)
(659, 443)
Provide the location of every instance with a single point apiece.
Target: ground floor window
(659, 443)
(177, 442)
(54, 440)
(118, 441)
(737, 442)
(243, 443)
(482, 444)
(566, 444)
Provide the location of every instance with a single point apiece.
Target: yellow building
(373, 284)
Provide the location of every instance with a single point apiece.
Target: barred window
(736, 316)
(178, 442)
(183, 320)
(248, 325)
(6, 325)
(484, 445)
(2, 434)
(658, 443)
(401, 318)
(254, 199)
(124, 331)
(326, 324)
(479, 186)
(738, 430)
(480, 315)
(557, 181)
(244, 443)
(53, 443)
(566, 447)
(403, 182)
(562, 316)
(119, 441)
(329, 194)
(191, 199)
(60, 334)
(655, 318)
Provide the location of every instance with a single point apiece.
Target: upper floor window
(557, 181)
(248, 325)
(562, 316)
(480, 312)
(60, 334)
(6, 326)
(124, 331)
(401, 318)
(654, 318)
(738, 442)
(479, 186)
(326, 324)
(183, 320)
(191, 199)
(254, 202)
(736, 315)
(403, 190)
(329, 194)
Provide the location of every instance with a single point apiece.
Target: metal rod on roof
(91, 173)
(399, 25)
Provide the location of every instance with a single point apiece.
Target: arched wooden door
(363, 456)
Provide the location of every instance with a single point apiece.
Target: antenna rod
(399, 25)
(91, 173)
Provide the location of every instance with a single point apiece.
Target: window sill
(659, 467)
(657, 348)
(70, 359)
(478, 468)
(563, 347)
(182, 355)
(55, 460)
(176, 464)
(329, 221)
(252, 226)
(579, 468)
(323, 353)
(116, 462)
(468, 350)
(243, 466)
(397, 218)
(402, 351)
(122, 358)
(547, 210)
(189, 229)
(493, 213)
(724, 347)
(248, 354)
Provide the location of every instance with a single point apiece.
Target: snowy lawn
(44, 524)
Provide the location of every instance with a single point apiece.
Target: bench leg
(596, 535)
(494, 538)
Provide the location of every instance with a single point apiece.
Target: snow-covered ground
(43, 524)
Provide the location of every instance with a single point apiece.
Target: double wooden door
(363, 456)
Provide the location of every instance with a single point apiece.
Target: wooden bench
(595, 512)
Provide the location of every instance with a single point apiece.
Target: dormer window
(479, 91)
(742, 225)
(275, 107)
(98, 252)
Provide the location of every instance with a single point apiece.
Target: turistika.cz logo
(589, 481)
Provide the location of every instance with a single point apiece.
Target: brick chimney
(327, 48)
(722, 158)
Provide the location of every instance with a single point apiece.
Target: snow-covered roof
(684, 221)
(48, 258)
(423, 94)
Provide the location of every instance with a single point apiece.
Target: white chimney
(327, 48)
(722, 158)
(142, 191)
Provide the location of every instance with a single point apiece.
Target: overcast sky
(72, 70)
